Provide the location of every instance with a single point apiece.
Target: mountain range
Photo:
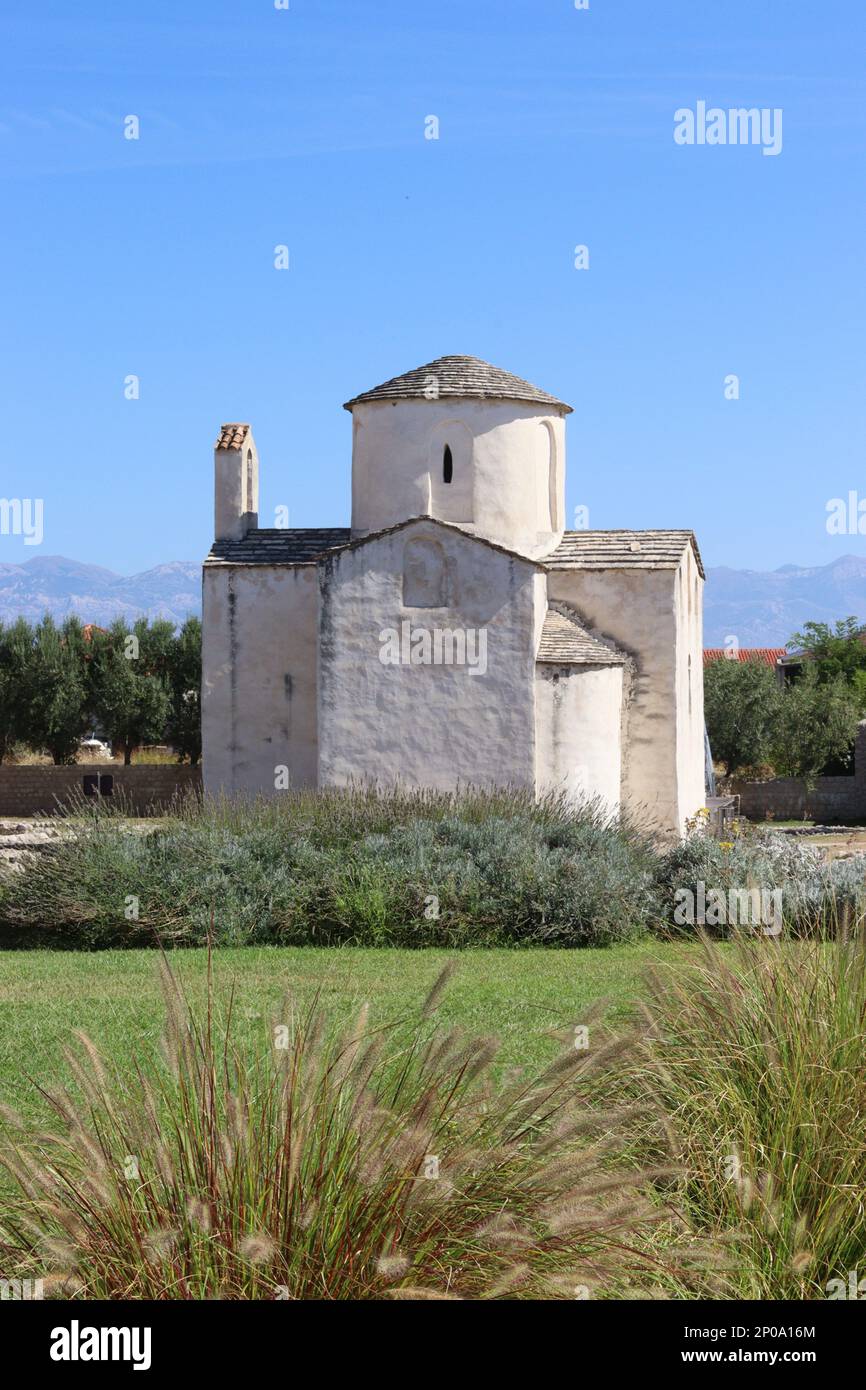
(760, 608)
(764, 608)
(51, 584)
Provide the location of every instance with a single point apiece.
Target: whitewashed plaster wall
(259, 683)
(640, 610)
(434, 726)
(509, 468)
(578, 731)
(690, 686)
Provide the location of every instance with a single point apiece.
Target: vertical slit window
(447, 465)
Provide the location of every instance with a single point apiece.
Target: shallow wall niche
(450, 464)
(545, 475)
(426, 575)
(250, 490)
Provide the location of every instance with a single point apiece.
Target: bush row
(362, 869)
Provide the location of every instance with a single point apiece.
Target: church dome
(466, 378)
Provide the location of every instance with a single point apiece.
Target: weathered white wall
(539, 598)
(638, 608)
(690, 686)
(515, 454)
(259, 676)
(578, 731)
(435, 726)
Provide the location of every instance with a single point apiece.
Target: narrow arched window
(447, 465)
(249, 480)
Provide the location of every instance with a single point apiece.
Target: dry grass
(758, 1054)
(366, 1162)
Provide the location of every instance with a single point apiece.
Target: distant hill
(51, 584)
(764, 608)
(760, 608)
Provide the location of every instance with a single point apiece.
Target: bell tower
(236, 483)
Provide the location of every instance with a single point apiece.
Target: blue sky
(305, 127)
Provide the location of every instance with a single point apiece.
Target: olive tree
(55, 690)
(816, 724)
(741, 704)
(130, 684)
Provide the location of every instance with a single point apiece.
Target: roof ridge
(631, 531)
(448, 526)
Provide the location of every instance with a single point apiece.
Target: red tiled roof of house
(767, 656)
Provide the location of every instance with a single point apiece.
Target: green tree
(835, 652)
(184, 721)
(56, 691)
(130, 687)
(817, 723)
(16, 655)
(157, 642)
(741, 703)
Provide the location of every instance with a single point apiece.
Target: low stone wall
(833, 800)
(33, 790)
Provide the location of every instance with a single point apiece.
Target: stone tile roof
(466, 377)
(566, 641)
(232, 436)
(764, 656)
(304, 546)
(614, 550)
(577, 550)
(279, 546)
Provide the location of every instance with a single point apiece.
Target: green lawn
(115, 997)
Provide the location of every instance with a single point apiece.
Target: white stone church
(457, 634)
